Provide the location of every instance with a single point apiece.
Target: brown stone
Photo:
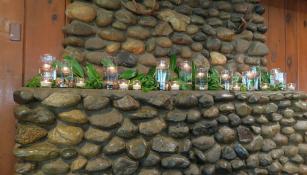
(164, 42)
(163, 29)
(95, 43)
(152, 127)
(113, 5)
(113, 48)
(78, 164)
(81, 11)
(96, 135)
(78, 28)
(125, 16)
(178, 21)
(217, 58)
(116, 145)
(147, 59)
(73, 52)
(74, 116)
(73, 41)
(197, 47)
(95, 57)
(65, 135)
(107, 120)
(126, 103)
(134, 46)
(27, 133)
(37, 152)
(104, 17)
(186, 52)
(61, 99)
(138, 32)
(112, 35)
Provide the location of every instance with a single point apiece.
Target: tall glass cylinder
(65, 77)
(274, 77)
(256, 74)
(201, 79)
(226, 79)
(111, 76)
(47, 61)
(162, 75)
(250, 80)
(185, 73)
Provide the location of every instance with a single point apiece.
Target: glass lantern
(185, 73)
(136, 85)
(46, 79)
(201, 79)
(65, 78)
(291, 87)
(111, 76)
(123, 85)
(175, 86)
(162, 75)
(226, 76)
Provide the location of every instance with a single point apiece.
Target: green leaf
(194, 69)
(76, 67)
(152, 71)
(94, 80)
(35, 82)
(214, 80)
(106, 62)
(128, 74)
(173, 62)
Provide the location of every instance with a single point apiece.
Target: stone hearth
(75, 131)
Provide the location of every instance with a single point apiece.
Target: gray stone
(62, 100)
(287, 130)
(23, 96)
(113, 5)
(163, 29)
(228, 153)
(214, 22)
(225, 135)
(237, 164)
(213, 154)
(178, 131)
(258, 49)
(125, 59)
(148, 21)
(149, 172)
(268, 145)
(69, 153)
(55, 167)
(78, 28)
(206, 101)
(107, 120)
(199, 37)
(245, 135)
(151, 159)
(301, 125)
(248, 120)
(227, 108)
(275, 167)
(98, 164)
(213, 44)
(23, 168)
(203, 142)
(300, 106)
(124, 166)
(270, 131)
(223, 167)
(104, 17)
(95, 43)
(176, 116)
(252, 161)
(95, 102)
(127, 130)
(290, 168)
(280, 139)
(126, 103)
(160, 100)
(211, 112)
(138, 32)
(175, 161)
(125, 16)
(243, 109)
(223, 96)
(290, 150)
(181, 38)
(152, 127)
(271, 108)
(164, 144)
(184, 100)
(205, 127)
(193, 116)
(116, 145)
(234, 119)
(241, 151)
(137, 148)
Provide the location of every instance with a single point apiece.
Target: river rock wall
(223, 34)
(73, 131)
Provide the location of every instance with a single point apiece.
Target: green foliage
(94, 80)
(106, 62)
(76, 67)
(277, 87)
(35, 82)
(214, 80)
(265, 77)
(194, 69)
(148, 81)
(128, 74)
(173, 64)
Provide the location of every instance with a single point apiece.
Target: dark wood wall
(42, 21)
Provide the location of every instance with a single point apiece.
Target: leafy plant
(35, 82)
(94, 80)
(128, 74)
(194, 69)
(106, 62)
(148, 81)
(265, 77)
(76, 67)
(214, 80)
(173, 64)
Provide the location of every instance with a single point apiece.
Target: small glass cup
(136, 85)
(80, 82)
(175, 86)
(201, 79)
(123, 84)
(265, 86)
(291, 86)
(162, 75)
(236, 87)
(185, 73)
(226, 79)
(111, 76)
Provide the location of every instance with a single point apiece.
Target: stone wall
(73, 131)
(224, 34)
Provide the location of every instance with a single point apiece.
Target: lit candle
(175, 86)
(137, 85)
(291, 86)
(111, 70)
(65, 70)
(186, 66)
(250, 75)
(265, 86)
(80, 82)
(162, 75)
(236, 87)
(46, 83)
(123, 85)
(200, 75)
(46, 67)
(225, 76)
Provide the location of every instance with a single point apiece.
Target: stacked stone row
(211, 33)
(160, 133)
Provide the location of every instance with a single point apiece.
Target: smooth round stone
(74, 116)
(37, 152)
(127, 130)
(55, 167)
(62, 100)
(225, 135)
(124, 165)
(81, 11)
(78, 164)
(66, 135)
(175, 161)
(164, 144)
(89, 150)
(151, 159)
(116, 145)
(152, 127)
(203, 142)
(28, 133)
(137, 148)
(98, 164)
(234, 119)
(69, 153)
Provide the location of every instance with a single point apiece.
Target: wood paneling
(302, 42)
(43, 32)
(11, 54)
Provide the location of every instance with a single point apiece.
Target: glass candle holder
(185, 73)
(226, 79)
(65, 78)
(201, 79)
(111, 76)
(123, 85)
(274, 76)
(256, 81)
(46, 80)
(136, 85)
(80, 82)
(250, 80)
(47, 61)
(162, 75)
(265, 86)
(291, 87)
(236, 87)
(282, 80)
(175, 86)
